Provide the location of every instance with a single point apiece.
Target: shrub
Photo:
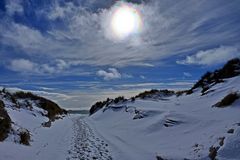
(5, 122)
(98, 105)
(24, 137)
(146, 94)
(190, 91)
(230, 69)
(23, 95)
(230, 131)
(180, 93)
(155, 93)
(221, 142)
(213, 152)
(227, 100)
(132, 99)
(119, 99)
(47, 124)
(159, 158)
(52, 108)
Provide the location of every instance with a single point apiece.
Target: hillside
(28, 124)
(156, 124)
(200, 123)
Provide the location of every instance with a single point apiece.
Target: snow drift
(200, 123)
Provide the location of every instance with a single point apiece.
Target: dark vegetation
(24, 137)
(160, 158)
(98, 105)
(119, 99)
(47, 124)
(209, 79)
(5, 122)
(229, 70)
(154, 93)
(52, 108)
(221, 141)
(230, 131)
(180, 93)
(213, 152)
(227, 100)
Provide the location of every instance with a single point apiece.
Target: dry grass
(227, 100)
(25, 137)
(52, 108)
(213, 152)
(5, 122)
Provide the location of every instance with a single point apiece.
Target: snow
(177, 128)
(47, 143)
(173, 128)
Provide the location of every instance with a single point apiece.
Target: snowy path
(86, 144)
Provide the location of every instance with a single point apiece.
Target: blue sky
(62, 49)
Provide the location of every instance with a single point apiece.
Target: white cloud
(22, 65)
(28, 67)
(211, 56)
(142, 77)
(168, 30)
(14, 7)
(186, 74)
(112, 73)
(59, 11)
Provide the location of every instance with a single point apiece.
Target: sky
(66, 49)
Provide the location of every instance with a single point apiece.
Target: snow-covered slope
(35, 132)
(178, 127)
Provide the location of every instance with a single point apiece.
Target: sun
(126, 21)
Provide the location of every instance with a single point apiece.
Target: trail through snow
(86, 144)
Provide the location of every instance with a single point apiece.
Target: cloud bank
(74, 32)
(211, 56)
(112, 73)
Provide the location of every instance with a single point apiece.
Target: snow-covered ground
(70, 138)
(177, 128)
(174, 128)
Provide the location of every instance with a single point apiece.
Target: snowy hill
(201, 124)
(27, 125)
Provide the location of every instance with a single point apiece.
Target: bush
(227, 100)
(155, 93)
(133, 99)
(230, 131)
(213, 152)
(52, 108)
(221, 142)
(146, 94)
(98, 105)
(230, 69)
(119, 99)
(5, 122)
(159, 158)
(47, 124)
(24, 137)
(180, 93)
(24, 95)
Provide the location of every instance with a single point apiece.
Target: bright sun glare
(125, 21)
